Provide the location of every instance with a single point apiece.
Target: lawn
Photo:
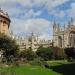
(27, 70)
(56, 68)
(63, 67)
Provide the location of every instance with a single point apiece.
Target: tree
(70, 53)
(45, 53)
(9, 48)
(27, 54)
(58, 53)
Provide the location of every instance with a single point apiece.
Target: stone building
(32, 41)
(66, 37)
(4, 22)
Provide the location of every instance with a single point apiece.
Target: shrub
(44, 53)
(9, 48)
(70, 53)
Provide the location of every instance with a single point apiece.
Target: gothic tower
(66, 37)
(57, 39)
(57, 35)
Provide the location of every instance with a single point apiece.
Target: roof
(4, 14)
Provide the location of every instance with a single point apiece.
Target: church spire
(54, 24)
(70, 22)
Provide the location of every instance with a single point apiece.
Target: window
(4, 32)
(0, 21)
(60, 41)
(4, 23)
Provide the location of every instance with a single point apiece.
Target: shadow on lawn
(65, 69)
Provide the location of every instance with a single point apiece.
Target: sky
(37, 16)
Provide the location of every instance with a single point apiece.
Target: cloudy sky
(37, 15)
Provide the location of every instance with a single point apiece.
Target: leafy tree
(58, 53)
(45, 53)
(9, 47)
(70, 53)
(27, 55)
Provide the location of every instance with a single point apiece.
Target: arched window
(60, 41)
(72, 39)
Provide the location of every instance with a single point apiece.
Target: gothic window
(72, 39)
(60, 41)
(4, 23)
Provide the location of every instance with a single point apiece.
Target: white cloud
(39, 25)
(48, 4)
(19, 14)
(54, 3)
(27, 3)
(71, 11)
(45, 36)
(32, 13)
(31, 25)
(58, 13)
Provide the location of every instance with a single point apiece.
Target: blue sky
(37, 15)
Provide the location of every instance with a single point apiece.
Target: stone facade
(4, 22)
(32, 42)
(64, 38)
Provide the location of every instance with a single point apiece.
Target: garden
(45, 61)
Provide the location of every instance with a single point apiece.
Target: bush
(44, 53)
(37, 61)
(9, 48)
(27, 55)
(70, 53)
(58, 53)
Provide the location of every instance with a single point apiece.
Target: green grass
(58, 62)
(56, 68)
(63, 67)
(28, 70)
